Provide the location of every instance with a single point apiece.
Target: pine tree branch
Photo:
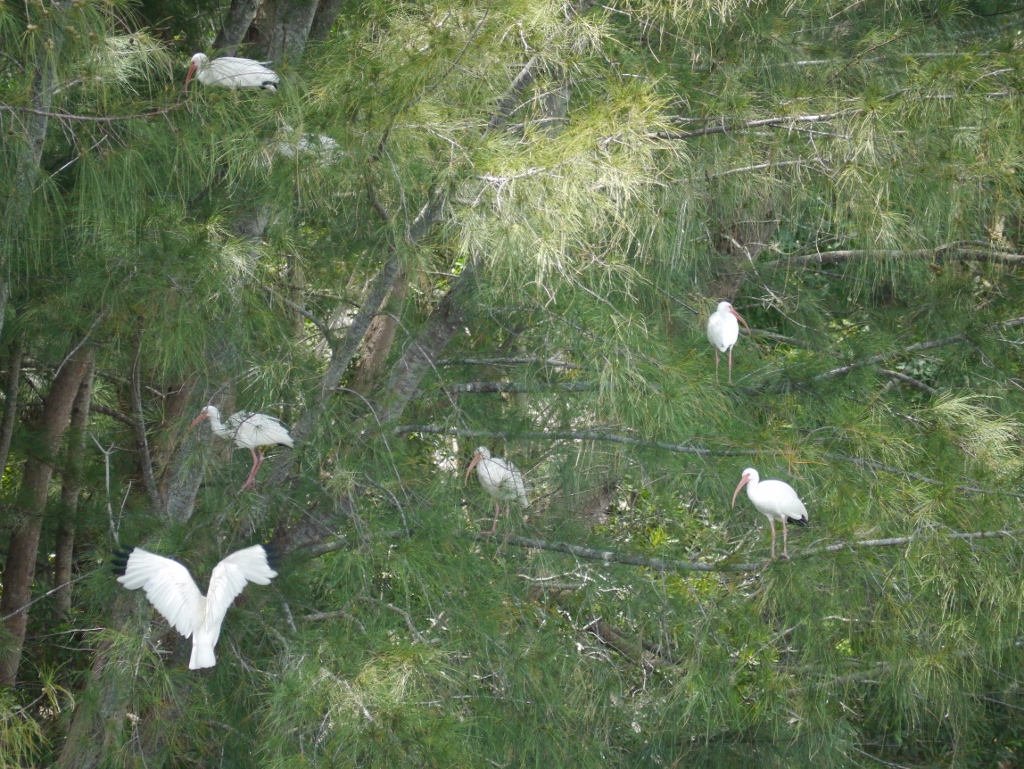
(610, 556)
(90, 118)
(725, 565)
(919, 347)
(120, 416)
(896, 541)
(577, 435)
(324, 329)
(966, 251)
(910, 381)
(515, 387)
(507, 362)
(741, 125)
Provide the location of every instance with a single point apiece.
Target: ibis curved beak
(739, 317)
(202, 415)
(188, 77)
(742, 483)
(476, 459)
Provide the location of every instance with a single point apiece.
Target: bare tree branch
(515, 387)
(727, 126)
(966, 251)
(139, 423)
(910, 381)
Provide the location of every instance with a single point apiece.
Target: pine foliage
(565, 192)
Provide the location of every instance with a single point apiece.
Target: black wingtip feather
(119, 561)
(274, 555)
(799, 521)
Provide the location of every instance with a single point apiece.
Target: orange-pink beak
(476, 459)
(739, 317)
(188, 77)
(202, 415)
(742, 483)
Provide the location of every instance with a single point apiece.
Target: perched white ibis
(723, 331)
(231, 72)
(776, 500)
(248, 431)
(173, 592)
(501, 479)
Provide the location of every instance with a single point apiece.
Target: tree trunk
(20, 569)
(11, 399)
(323, 22)
(292, 22)
(420, 355)
(141, 442)
(72, 485)
(379, 339)
(239, 17)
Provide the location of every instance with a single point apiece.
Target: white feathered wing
(173, 593)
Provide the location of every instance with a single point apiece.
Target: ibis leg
(257, 460)
(730, 365)
(497, 514)
(771, 522)
(716, 364)
(785, 543)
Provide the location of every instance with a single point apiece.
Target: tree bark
(141, 443)
(323, 22)
(20, 568)
(379, 338)
(232, 33)
(420, 355)
(70, 489)
(11, 399)
(290, 32)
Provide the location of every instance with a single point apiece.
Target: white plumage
(723, 331)
(777, 500)
(248, 431)
(173, 592)
(501, 479)
(231, 72)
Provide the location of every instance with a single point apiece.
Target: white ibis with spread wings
(173, 592)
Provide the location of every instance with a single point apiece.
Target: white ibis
(723, 331)
(173, 592)
(248, 431)
(501, 479)
(776, 500)
(231, 72)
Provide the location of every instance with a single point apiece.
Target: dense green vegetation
(505, 224)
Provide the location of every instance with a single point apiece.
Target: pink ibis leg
(257, 460)
(497, 514)
(785, 543)
(716, 364)
(730, 365)
(771, 522)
